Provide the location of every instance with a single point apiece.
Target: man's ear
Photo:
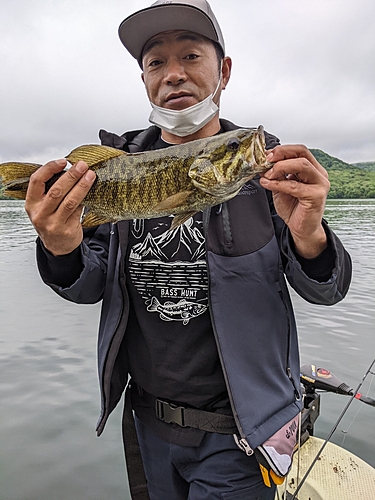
(226, 70)
(143, 77)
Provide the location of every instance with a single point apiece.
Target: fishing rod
(322, 379)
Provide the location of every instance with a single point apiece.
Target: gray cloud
(303, 69)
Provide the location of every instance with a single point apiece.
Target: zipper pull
(297, 395)
(243, 445)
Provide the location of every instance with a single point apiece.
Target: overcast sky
(303, 69)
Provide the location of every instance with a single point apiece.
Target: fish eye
(233, 144)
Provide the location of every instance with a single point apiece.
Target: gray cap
(189, 15)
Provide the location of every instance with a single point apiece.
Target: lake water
(49, 391)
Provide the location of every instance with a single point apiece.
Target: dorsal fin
(93, 154)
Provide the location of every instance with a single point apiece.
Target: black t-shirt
(169, 339)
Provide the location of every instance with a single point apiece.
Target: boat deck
(337, 475)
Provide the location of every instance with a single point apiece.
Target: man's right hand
(56, 214)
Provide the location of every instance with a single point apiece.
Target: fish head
(228, 161)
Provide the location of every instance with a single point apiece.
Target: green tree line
(347, 180)
(2, 196)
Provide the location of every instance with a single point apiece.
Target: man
(200, 317)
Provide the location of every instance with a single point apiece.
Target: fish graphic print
(168, 268)
(182, 311)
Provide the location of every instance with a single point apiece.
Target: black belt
(198, 419)
(169, 413)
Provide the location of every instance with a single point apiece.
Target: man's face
(180, 68)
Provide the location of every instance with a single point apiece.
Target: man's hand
(56, 214)
(300, 187)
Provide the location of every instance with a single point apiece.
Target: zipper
(228, 237)
(107, 370)
(242, 442)
(244, 445)
(297, 395)
(111, 357)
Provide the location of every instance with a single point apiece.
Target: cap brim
(138, 28)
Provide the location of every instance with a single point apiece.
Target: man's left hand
(300, 187)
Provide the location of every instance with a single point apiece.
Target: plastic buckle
(169, 413)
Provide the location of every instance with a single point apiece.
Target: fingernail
(268, 173)
(61, 162)
(269, 156)
(90, 176)
(81, 167)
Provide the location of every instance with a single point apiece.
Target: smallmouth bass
(179, 180)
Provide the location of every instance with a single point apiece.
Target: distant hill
(366, 165)
(348, 180)
(2, 197)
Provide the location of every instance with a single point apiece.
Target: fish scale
(179, 180)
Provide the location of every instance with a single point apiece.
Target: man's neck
(210, 129)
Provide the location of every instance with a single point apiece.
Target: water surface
(49, 392)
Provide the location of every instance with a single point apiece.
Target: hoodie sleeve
(79, 276)
(314, 280)
(323, 280)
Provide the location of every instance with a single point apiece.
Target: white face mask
(186, 121)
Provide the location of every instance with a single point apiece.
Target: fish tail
(15, 178)
(153, 305)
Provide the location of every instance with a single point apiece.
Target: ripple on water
(15, 227)
(49, 427)
(49, 390)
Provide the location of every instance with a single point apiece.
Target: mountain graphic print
(168, 268)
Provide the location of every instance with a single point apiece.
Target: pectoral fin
(180, 219)
(93, 154)
(90, 219)
(172, 202)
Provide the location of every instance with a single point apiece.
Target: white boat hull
(337, 475)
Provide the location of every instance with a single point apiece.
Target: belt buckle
(170, 413)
